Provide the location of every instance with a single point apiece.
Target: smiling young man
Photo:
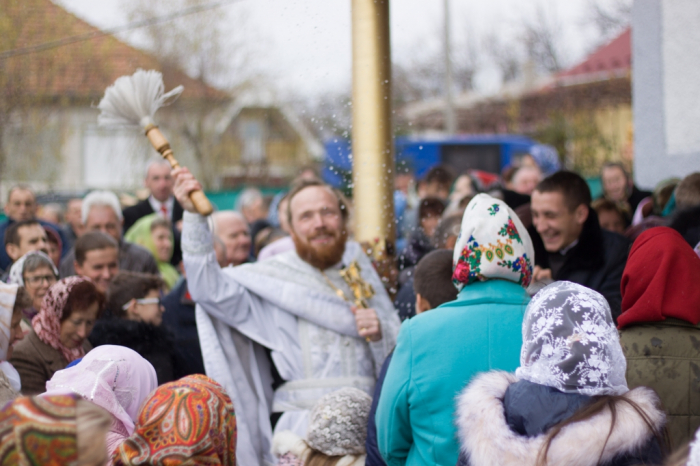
(573, 247)
(97, 258)
(297, 305)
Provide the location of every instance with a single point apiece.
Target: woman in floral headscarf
(438, 352)
(53, 431)
(59, 332)
(189, 421)
(568, 402)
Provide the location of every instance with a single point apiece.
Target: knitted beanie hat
(338, 423)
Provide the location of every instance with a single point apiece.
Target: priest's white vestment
(288, 306)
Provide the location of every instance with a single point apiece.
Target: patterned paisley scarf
(47, 323)
(492, 243)
(189, 421)
(39, 431)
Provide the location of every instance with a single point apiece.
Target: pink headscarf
(47, 323)
(115, 378)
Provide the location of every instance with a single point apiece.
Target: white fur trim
(288, 442)
(487, 439)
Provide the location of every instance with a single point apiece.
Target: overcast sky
(305, 45)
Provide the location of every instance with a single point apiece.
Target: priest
(302, 306)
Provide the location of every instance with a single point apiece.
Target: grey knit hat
(338, 423)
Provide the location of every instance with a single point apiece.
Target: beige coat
(37, 362)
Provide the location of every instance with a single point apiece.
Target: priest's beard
(322, 256)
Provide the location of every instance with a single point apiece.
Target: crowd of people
(521, 322)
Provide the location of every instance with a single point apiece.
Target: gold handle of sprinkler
(159, 143)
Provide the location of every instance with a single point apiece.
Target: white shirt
(156, 205)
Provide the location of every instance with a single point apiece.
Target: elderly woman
(114, 378)
(210, 436)
(36, 273)
(53, 431)
(568, 402)
(438, 352)
(155, 234)
(659, 322)
(59, 332)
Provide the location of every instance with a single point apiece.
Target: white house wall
(666, 89)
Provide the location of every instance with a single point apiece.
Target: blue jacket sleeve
(393, 420)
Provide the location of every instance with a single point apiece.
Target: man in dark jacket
(569, 243)
(161, 201)
(101, 212)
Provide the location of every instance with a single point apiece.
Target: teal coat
(437, 354)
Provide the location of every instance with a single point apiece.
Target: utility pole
(372, 141)
(450, 119)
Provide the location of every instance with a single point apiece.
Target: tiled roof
(81, 70)
(613, 59)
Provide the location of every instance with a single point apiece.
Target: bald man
(232, 229)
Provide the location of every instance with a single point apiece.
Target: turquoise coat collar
(496, 290)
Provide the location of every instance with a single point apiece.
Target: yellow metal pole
(372, 143)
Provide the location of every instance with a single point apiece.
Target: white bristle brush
(132, 101)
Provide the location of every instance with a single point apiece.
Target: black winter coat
(596, 262)
(180, 321)
(153, 343)
(687, 223)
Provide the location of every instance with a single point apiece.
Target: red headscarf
(661, 279)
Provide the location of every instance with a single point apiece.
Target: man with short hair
(618, 186)
(101, 212)
(297, 305)
(569, 243)
(74, 223)
(436, 183)
(252, 205)
(21, 205)
(161, 201)
(231, 228)
(97, 258)
(25, 236)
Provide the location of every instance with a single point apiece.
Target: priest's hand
(185, 183)
(367, 322)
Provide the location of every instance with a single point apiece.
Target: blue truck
(489, 153)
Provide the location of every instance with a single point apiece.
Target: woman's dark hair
(82, 296)
(595, 407)
(131, 285)
(36, 261)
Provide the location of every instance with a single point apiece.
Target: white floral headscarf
(570, 342)
(492, 243)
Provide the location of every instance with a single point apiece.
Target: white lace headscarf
(570, 342)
